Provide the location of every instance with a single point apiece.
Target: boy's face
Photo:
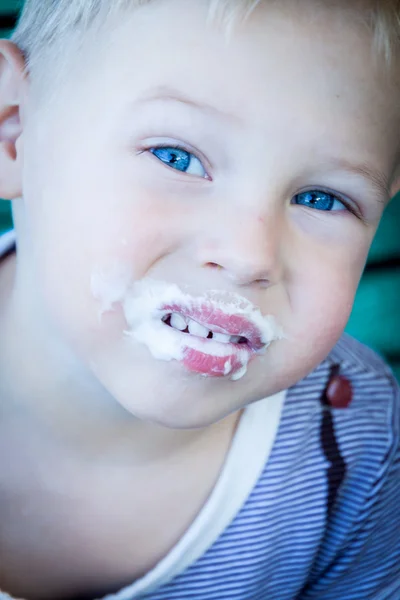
(286, 138)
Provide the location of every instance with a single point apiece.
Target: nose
(245, 249)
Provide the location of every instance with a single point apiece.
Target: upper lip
(218, 321)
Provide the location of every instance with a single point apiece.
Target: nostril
(262, 282)
(213, 265)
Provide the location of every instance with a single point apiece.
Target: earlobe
(12, 79)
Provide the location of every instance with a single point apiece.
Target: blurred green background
(375, 319)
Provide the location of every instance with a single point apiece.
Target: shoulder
(369, 375)
(366, 428)
(359, 358)
(371, 379)
(374, 387)
(362, 448)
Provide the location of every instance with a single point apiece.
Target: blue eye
(180, 160)
(319, 200)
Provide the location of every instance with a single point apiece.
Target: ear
(12, 82)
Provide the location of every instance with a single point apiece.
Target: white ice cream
(142, 301)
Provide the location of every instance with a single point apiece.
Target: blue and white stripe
(284, 544)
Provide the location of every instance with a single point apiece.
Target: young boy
(195, 188)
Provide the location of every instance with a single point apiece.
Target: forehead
(288, 70)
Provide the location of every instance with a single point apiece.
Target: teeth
(198, 330)
(222, 337)
(178, 322)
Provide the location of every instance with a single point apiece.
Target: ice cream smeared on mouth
(215, 335)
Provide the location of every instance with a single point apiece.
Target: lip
(200, 355)
(218, 321)
(233, 364)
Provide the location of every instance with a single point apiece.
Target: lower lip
(216, 366)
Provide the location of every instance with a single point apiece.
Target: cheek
(324, 274)
(322, 302)
(66, 276)
(320, 305)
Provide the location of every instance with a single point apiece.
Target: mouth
(216, 335)
(217, 344)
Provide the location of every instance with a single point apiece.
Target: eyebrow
(169, 94)
(377, 178)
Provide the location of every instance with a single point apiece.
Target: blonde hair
(44, 24)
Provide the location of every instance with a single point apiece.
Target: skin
(89, 194)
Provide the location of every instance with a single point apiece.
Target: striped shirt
(323, 519)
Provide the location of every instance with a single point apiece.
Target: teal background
(8, 6)
(375, 319)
